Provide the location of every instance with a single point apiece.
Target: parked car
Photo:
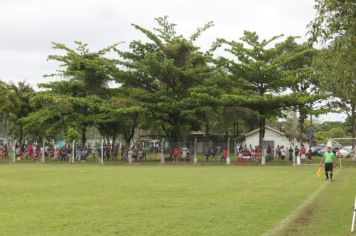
(343, 152)
(321, 152)
(348, 148)
(317, 151)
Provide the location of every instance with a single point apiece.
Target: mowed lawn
(88, 199)
(330, 212)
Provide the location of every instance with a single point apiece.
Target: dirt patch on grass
(301, 217)
(300, 221)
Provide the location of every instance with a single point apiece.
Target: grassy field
(88, 199)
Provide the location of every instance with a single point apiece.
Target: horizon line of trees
(170, 87)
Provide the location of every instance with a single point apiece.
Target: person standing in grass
(224, 155)
(130, 155)
(283, 152)
(290, 153)
(329, 160)
(309, 155)
(303, 151)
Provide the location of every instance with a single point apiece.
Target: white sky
(27, 27)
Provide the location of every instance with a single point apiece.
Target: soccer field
(88, 199)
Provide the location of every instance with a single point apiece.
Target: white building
(273, 137)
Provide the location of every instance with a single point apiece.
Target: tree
(117, 115)
(216, 116)
(297, 67)
(334, 19)
(87, 75)
(337, 69)
(18, 106)
(5, 108)
(257, 77)
(48, 118)
(335, 25)
(160, 75)
(71, 135)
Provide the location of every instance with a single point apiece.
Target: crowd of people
(132, 153)
(214, 152)
(278, 153)
(178, 153)
(64, 153)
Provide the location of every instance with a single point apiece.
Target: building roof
(266, 127)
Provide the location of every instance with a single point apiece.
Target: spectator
(207, 153)
(310, 155)
(130, 155)
(302, 152)
(269, 152)
(176, 154)
(184, 153)
(212, 152)
(283, 153)
(290, 153)
(278, 154)
(78, 153)
(296, 151)
(224, 154)
(188, 154)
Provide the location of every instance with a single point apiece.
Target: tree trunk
(107, 140)
(262, 132)
(113, 141)
(84, 137)
(302, 117)
(20, 136)
(128, 135)
(236, 128)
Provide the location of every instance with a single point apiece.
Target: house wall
(270, 135)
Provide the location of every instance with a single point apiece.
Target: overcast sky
(27, 27)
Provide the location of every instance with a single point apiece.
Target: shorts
(329, 167)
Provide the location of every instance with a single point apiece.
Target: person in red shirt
(29, 151)
(303, 151)
(224, 154)
(176, 154)
(310, 155)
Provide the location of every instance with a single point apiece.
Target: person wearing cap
(329, 160)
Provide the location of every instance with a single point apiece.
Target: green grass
(89, 199)
(331, 211)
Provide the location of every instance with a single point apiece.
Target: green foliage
(88, 71)
(160, 75)
(79, 100)
(71, 135)
(337, 133)
(298, 69)
(326, 130)
(170, 86)
(327, 125)
(321, 137)
(335, 24)
(258, 73)
(15, 103)
(334, 18)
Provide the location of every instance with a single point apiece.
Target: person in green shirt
(329, 160)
